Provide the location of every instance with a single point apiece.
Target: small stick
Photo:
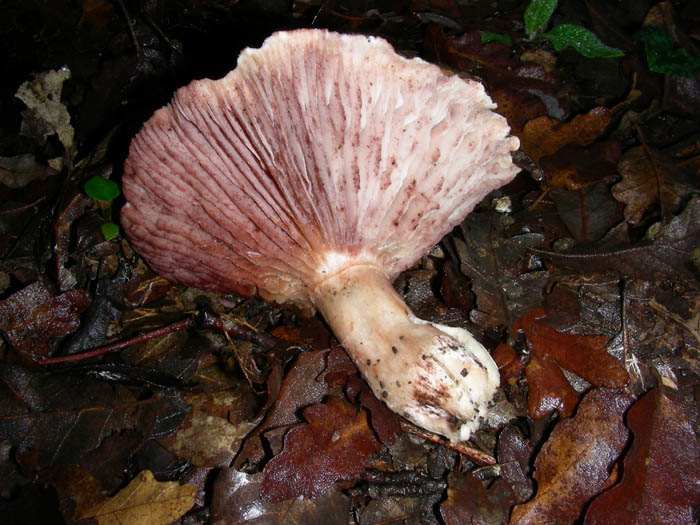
(472, 453)
(185, 323)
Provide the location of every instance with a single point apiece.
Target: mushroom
(313, 174)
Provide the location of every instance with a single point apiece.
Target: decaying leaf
(236, 500)
(545, 136)
(212, 433)
(468, 501)
(32, 319)
(649, 176)
(46, 115)
(20, 170)
(334, 445)
(575, 462)
(548, 389)
(504, 292)
(661, 473)
(144, 501)
(584, 355)
(663, 255)
(80, 420)
(300, 387)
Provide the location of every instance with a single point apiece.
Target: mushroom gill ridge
(320, 157)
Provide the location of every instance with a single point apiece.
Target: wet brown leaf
(236, 500)
(468, 501)
(661, 474)
(545, 136)
(663, 255)
(575, 462)
(32, 319)
(144, 501)
(300, 387)
(334, 445)
(548, 389)
(648, 176)
(583, 355)
(215, 428)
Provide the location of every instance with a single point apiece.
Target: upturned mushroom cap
(318, 151)
(312, 174)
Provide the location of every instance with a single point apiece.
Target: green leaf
(101, 189)
(109, 230)
(537, 15)
(487, 36)
(582, 40)
(664, 57)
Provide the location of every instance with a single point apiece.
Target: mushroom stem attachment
(436, 376)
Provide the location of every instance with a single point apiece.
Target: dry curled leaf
(334, 445)
(574, 463)
(661, 474)
(144, 501)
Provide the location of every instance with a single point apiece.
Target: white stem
(438, 377)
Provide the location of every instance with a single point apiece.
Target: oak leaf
(334, 445)
(661, 474)
(144, 501)
(575, 462)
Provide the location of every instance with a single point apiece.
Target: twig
(472, 453)
(185, 323)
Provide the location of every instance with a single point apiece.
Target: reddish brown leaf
(548, 389)
(300, 388)
(661, 474)
(508, 362)
(32, 318)
(583, 355)
(334, 445)
(575, 462)
(384, 422)
(236, 500)
(545, 136)
(468, 501)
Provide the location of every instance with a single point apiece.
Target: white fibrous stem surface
(438, 377)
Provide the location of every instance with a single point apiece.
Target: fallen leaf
(575, 462)
(548, 389)
(236, 500)
(334, 445)
(300, 388)
(543, 136)
(215, 428)
(144, 501)
(509, 364)
(661, 473)
(664, 254)
(80, 420)
(46, 115)
(504, 290)
(33, 319)
(588, 213)
(20, 170)
(584, 355)
(649, 176)
(468, 501)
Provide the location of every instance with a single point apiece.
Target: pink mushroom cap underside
(317, 144)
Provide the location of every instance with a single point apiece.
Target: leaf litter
(581, 276)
